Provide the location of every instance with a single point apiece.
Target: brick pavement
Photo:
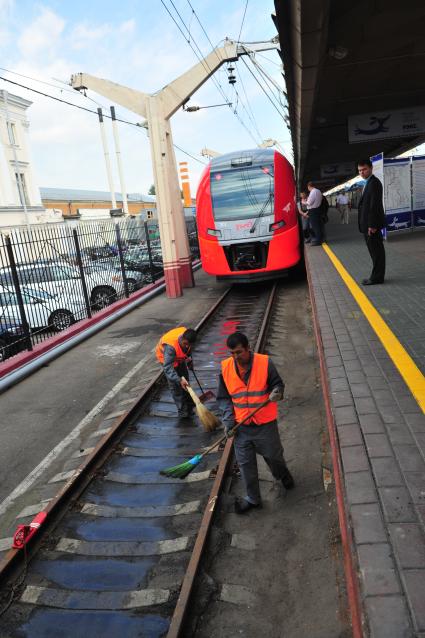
(380, 427)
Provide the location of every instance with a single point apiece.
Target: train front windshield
(242, 193)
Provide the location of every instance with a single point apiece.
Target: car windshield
(38, 294)
(241, 193)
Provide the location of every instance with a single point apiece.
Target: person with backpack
(302, 209)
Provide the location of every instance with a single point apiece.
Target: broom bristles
(182, 470)
(207, 418)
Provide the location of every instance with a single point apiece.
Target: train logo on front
(245, 226)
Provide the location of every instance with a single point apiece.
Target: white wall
(15, 158)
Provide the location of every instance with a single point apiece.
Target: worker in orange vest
(173, 353)
(246, 380)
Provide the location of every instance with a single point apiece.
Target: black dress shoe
(288, 481)
(371, 282)
(242, 506)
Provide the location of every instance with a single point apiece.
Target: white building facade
(20, 201)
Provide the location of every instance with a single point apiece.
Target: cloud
(65, 142)
(82, 35)
(42, 36)
(6, 7)
(128, 26)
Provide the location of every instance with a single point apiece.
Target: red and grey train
(246, 215)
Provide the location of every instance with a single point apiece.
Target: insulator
(232, 79)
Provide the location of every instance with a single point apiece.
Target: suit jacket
(371, 210)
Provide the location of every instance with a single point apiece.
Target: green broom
(184, 469)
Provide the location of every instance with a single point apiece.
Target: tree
(151, 191)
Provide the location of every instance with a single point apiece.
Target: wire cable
(83, 108)
(263, 89)
(243, 20)
(238, 98)
(200, 57)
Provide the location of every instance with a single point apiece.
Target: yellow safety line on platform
(408, 369)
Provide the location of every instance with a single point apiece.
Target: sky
(134, 43)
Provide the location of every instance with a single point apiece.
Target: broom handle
(197, 380)
(193, 394)
(234, 428)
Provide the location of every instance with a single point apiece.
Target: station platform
(373, 356)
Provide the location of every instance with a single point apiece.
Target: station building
(91, 205)
(20, 200)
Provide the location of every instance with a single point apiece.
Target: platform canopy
(355, 81)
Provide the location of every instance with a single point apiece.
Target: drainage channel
(115, 560)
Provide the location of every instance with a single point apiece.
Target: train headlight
(214, 232)
(276, 225)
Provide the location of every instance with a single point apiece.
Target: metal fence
(51, 277)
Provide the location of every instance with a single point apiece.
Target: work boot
(288, 480)
(242, 506)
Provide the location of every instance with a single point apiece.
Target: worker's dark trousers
(314, 218)
(181, 398)
(258, 439)
(375, 246)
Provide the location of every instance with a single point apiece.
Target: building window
(22, 189)
(11, 130)
(149, 214)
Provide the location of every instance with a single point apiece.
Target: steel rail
(73, 488)
(183, 601)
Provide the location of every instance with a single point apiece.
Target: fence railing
(52, 277)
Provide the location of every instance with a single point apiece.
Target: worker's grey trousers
(258, 439)
(180, 397)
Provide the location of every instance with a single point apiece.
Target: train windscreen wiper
(262, 211)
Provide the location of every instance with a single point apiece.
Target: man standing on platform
(314, 209)
(342, 206)
(173, 353)
(248, 379)
(371, 221)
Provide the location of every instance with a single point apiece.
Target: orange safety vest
(246, 398)
(171, 338)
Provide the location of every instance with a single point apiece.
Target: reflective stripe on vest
(171, 338)
(246, 398)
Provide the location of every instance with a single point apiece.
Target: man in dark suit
(372, 221)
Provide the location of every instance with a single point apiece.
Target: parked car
(60, 278)
(95, 253)
(41, 309)
(138, 259)
(135, 279)
(11, 337)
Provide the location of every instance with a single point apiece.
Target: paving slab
(379, 424)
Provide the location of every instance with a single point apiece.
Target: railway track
(121, 546)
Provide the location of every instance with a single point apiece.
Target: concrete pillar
(182, 242)
(166, 212)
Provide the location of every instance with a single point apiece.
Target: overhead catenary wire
(84, 108)
(276, 105)
(247, 108)
(239, 100)
(198, 53)
(200, 56)
(263, 89)
(268, 78)
(243, 20)
(65, 88)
